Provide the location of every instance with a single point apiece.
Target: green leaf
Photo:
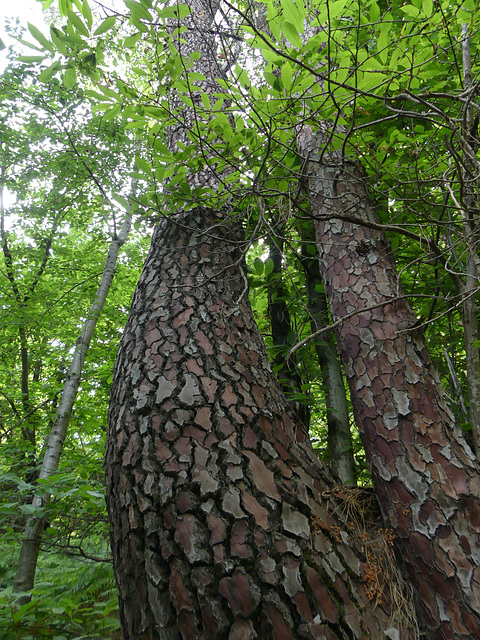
(410, 10)
(138, 10)
(287, 75)
(374, 12)
(87, 13)
(58, 610)
(205, 101)
(96, 494)
(294, 13)
(121, 200)
(69, 78)
(76, 21)
(29, 44)
(31, 58)
(106, 25)
(49, 72)
(258, 265)
(143, 165)
(186, 100)
(427, 7)
(39, 37)
(132, 40)
(179, 11)
(57, 42)
(136, 124)
(292, 34)
(272, 56)
(268, 267)
(64, 6)
(2, 45)
(382, 43)
(30, 509)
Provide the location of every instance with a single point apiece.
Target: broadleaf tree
(57, 214)
(223, 522)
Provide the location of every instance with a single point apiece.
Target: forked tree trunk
(219, 527)
(426, 478)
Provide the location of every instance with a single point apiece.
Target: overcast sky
(27, 11)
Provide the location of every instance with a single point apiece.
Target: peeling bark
(219, 529)
(426, 478)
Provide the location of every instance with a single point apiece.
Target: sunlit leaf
(139, 10)
(69, 78)
(39, 37)
(106, 25)
(292, 34)
(49, 72)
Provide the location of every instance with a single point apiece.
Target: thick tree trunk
(426, 478)
(219, 529)
(338, 424)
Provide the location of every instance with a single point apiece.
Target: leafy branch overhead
(293, 157)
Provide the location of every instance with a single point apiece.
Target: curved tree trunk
(425, 476)
(219, 528)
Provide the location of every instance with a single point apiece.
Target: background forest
(85, 111)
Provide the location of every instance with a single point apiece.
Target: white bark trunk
(27, 562)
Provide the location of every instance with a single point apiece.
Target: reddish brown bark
(426, 478)
(219, 528)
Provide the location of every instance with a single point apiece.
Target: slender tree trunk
(219, 528)
(426, 478)
(28, 456)
(456, 391)
(338, 424)
(27, 562)
(287, 373)
(470, 198)
(29, 419)
(471, 339)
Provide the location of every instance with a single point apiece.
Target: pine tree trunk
(426, 478)
(223, 524)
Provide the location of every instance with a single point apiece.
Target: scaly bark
(426, 478)
(219, 528)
